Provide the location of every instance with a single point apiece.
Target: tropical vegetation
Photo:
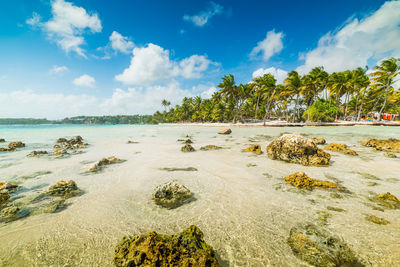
(314, 96)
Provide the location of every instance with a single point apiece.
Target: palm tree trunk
(258, 99)
(384, 103)
(295, 109)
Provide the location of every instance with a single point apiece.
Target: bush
(320, 111)
(154, 121)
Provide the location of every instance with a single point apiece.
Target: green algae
(335, 209)
(173, 169)
(376, 220)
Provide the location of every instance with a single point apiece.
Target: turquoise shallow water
(242, 205)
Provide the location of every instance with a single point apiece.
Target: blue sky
(63, 58)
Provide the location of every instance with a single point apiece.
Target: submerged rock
(64, 189)
(35, 153)
(210, 147)
(7, 187)
(318, 140)
(255, 149)
(171, 195)
(225, 131)
(59, 152)
(319, 248)
(187, 148)
(9, 212)
(387, 200)
(132, 142)
(376, 220)
(188, 169)
(12, 146)
(2, 140)
(301, 180)
(297, 149)
(4, 197)
(187, 142)
(153, 249)
(341, 148)
(390, 155)
(390, 145)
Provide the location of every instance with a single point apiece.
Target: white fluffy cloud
(271, 45)
(279, 74)
(152, 64)
(34, 20)
(358, 41)
(203, 17)
(85, 80)
(131, 101)
(121, 43)
(58, 69)
(67, 25)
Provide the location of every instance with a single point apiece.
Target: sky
(62, 58)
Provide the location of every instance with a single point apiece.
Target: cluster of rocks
(63, 145)
(95, 167)
(12, 146)
(341, 148)
(153, 249)
(389, 145)
(301, 180)
(256, 149)
(295, 148)
(172, 195)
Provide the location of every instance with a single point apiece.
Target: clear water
(246, 213)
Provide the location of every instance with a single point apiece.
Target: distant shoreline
(287, 124)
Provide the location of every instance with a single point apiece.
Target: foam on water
(245, 214)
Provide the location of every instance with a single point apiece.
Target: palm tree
(267, 84)
(385, 77)
(165, 103)
(293, 87)
(229, 92)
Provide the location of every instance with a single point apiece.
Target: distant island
(118, 119)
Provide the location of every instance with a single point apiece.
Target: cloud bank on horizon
(155, 72)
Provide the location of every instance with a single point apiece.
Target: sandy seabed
(242, 204)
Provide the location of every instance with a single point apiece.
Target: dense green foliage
(320, 110)
(119, 119)
(339, 95)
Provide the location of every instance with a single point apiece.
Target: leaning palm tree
(165, 103)
(384, 77)
(293, 88)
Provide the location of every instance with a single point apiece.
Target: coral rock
(318, 140)
(187, 148)
(255, 149)
(297, 149)
(341, 148)
(186, 249)
(387, 200)
(301, 180)
(319, 248)
(390, 145)
(63, 188)
(225, 131)
(210, 147)
(171, 195)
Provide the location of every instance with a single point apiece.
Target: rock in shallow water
(256, 149)
(4, 197)
(171, 195)
(225, 131)
(341, 148)
(187, 148)
(12, 146)
(35, 153)
(186, 249)
(387, 200)
(295, 148)
(390, 145)
(63, 188)
(210, 147)
(301, 180)
(319, 248)
(318, 140)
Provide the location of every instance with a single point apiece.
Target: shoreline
(285, 124)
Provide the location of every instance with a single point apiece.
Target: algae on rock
(172, 195)
(341, 148)
(318, 247)
(376, 220)
(64, 189)
(187, 148)
(301, 180)
(256, 149)
(387, 200)
(295, 148)
(389, 145)
(153, 249)
(210, 147)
